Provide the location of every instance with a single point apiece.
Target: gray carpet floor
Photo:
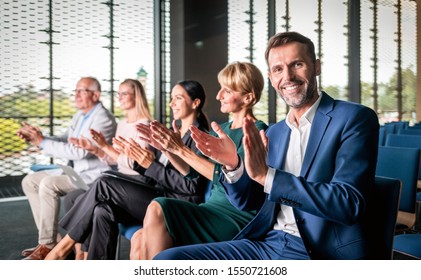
(18, 230)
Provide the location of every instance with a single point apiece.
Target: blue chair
(417, 226)
(128, 230)
(408, 131)
(408, 244)
(398, 125)
(402, 140)
(381, 215)
(402, 164)
(382, 135)
(408, 141)
(390, 128)
(415, 126)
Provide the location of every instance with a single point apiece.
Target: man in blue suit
(310, 175)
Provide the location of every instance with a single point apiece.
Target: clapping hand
(83, 143)
(221, 149)
(255, 152)
(30, 134)
(121, 145)
(23, 132)
(169, 140)
(145, 135)
(143, 156)
(98, 138)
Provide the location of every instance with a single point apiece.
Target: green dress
(216, 219)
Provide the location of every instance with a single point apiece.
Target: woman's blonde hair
(243, 77)
(142, 108)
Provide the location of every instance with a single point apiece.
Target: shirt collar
(308, 116)
(91, 111)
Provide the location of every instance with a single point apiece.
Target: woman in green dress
(170, 222)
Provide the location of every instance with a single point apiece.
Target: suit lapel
(318, 128)
(278, 145)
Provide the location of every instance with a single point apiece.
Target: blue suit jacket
(330, 195)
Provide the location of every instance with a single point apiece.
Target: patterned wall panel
(46, 46)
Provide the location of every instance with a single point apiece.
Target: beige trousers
(43, 190)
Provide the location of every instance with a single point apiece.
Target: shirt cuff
(269, 180)
(138, 168)
(234, 175)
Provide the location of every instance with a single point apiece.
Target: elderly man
(44, 188)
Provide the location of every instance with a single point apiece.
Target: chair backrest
(403, 164)
(407, 131)
(390, 128)
(382, 135)
(397, 125)
(382, 209)
(415, 126)
(405, 140)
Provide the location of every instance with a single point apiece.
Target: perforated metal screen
(247, 38)
(388, 34)
(46, 46)
(391, 42)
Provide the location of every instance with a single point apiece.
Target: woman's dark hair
(196, 91)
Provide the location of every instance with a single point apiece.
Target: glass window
(43, 56)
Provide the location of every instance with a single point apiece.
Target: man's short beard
(306, 98)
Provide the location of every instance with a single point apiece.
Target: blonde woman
(170, 222)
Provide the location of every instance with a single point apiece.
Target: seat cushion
(128, 230)
(408, 244)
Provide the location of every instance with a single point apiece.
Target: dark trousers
(70, 199)
(277, 245)
(93, 219)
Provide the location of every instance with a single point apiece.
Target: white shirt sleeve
(269, 180)
(234, 175)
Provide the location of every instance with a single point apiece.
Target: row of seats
(399, 128)
(399, 157)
